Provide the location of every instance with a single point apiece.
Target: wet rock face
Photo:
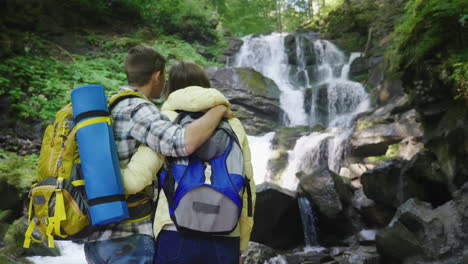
(257, 253)
(233, 46)
(254, 98)
(419, 233)
(320, 187)
(277, 222)
(385, 126)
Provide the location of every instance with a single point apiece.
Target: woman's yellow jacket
(145, 163)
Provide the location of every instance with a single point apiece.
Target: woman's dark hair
(184, 74)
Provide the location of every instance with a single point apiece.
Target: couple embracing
(154, 142)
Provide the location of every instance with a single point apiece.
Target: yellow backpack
(58, 207)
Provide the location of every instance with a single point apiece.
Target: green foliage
(175, 49)
(190, 20)
(428, 28)
(457, 64)
(18, 171)
(243, 17)
(37, 87)
(348, 26)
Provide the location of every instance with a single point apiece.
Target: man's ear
(157, 76)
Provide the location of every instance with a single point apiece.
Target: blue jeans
(173, 247)
(135, 249)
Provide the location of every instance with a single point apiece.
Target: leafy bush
(18, 171)
(37, 87)
(429, 28)
(175, 49)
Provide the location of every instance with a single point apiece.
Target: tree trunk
(279, 14)
(319, 8)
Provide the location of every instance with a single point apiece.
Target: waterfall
(267, 55)
(308, 221)
(260, 152)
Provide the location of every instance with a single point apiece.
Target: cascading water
(308, 221)
(267, 55)
(335, 102)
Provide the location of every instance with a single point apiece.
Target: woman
(188, 90)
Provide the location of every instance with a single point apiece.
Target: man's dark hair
(141, 62)
(184, 74)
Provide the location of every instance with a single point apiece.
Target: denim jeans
(173, 247)
(135, 249)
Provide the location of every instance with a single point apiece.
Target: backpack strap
(249, 197)
(122, 96)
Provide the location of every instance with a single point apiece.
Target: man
(138, 121)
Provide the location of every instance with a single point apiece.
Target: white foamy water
(267, 55)
(72, 253)
(260, 150)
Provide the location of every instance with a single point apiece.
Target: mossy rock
(7, 259)
(257, 83)
(277, 164)
(14, 239)
(285, 138)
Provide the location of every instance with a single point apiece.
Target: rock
(14, 239)
(355, 170)
(425, 169)
(409, 147)
(257, 253)
(372, 137)
(301, 256)
(367, 236)
(276, 165)
(254, 98)
(360, 65)
(447, 138)
(233, 46)
(389, 89)
(375, 215)
(419, 233)
(321, 189)
(359, 255)
(385, 184)
(331, 199)
(285, 138)
(277, 221)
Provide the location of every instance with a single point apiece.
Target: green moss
(363, 124)
(258, 83)
(360, 77)
(393, 151)
(18, 171)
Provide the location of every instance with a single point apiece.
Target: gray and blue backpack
(204, 191)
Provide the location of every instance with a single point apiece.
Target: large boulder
(374, 135)
(277, 221)
(321, 189)
(387, 185)
(254, 98)
(420, 234)
(447, 138)
(331, 199)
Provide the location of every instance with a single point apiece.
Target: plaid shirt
(138, 121)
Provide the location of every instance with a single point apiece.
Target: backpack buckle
(59, 183)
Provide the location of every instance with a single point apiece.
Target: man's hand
(197, 132)
(229, 114)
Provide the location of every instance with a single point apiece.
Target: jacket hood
(194, 99)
